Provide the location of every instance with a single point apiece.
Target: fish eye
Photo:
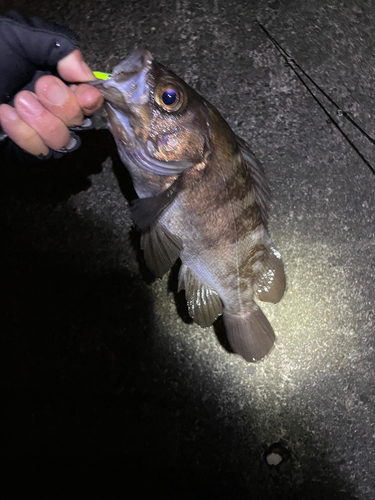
(169, 96)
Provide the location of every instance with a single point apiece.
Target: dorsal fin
(261, 190)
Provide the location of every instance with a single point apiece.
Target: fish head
(158, 121)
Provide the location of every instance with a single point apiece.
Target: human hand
(39, 120)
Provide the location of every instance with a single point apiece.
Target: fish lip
(128, 83)
(123, 118)
(109, 94)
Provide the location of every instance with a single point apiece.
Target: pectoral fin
(161, 249)
(250, 335)
(204, 304)
(271, 285)
(146, 211)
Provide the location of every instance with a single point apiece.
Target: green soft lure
(102, 76)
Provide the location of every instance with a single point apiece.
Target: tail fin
(250, 335)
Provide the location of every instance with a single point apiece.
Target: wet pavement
(107, 390)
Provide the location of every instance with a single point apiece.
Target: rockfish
(203, 198)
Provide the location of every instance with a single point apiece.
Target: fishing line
(293, 65)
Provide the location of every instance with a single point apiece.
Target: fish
(202, 197)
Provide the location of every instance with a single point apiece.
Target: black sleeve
(28, 47)
(29, 50)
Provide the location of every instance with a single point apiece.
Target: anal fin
(204, 304)
(272, 283)
(250, 334)
(161, 249)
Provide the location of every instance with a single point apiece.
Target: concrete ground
(107, 391)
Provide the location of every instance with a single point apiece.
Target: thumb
(73, 68)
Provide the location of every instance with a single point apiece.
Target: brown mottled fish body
(203, 197)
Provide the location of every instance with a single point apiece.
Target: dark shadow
(56, 180)
(122, 175)
(126, 186)
(221, 335)
(94, 404)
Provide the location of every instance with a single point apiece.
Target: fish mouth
(124, 92)
(128, 84)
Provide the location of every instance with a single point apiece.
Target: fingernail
(29, 104)
(57, 93)
(74, 143)
(87, 70)
(86, 124)
(43, 157)
(8, 113)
